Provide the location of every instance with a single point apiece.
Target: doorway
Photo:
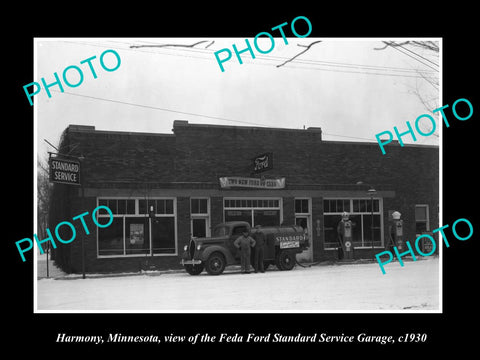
(305, 222)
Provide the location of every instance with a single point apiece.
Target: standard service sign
(288, 241)
(64, 171)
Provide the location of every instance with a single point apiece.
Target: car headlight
(199, 246)
(185, 248)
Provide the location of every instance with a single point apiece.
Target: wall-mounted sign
(237, 181)
(64, 171)
(263, 162)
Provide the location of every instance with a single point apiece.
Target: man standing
(243, 243)
(258, 256)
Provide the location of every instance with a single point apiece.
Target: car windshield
(220, 231)
(239, 230)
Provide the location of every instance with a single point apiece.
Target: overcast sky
(344, 86)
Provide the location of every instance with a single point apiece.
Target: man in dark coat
(259, 251)
(243, 243)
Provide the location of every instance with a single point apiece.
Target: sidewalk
(57, 274)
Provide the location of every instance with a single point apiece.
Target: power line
(189, 113)
(345, 136)
(413, 52)
(380, 70)
(396, 48)
(306, 61)
(158, 108)
(310, 62)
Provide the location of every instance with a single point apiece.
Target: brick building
(201, 175)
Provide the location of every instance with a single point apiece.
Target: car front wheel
(194, 269)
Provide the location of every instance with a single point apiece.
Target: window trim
(252, 208)
(309, 200)
(200, 214)
(138, 215)
(427, 211)
(205, 216)
(353, 213)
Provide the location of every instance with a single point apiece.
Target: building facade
(202, 175)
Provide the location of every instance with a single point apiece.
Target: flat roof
(185, 123)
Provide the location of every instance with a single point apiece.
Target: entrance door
(305, 222)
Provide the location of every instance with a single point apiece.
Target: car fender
(186, 255)
(211, 249)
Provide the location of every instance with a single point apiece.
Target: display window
(361, 214)
(255, 211)
(134, 232)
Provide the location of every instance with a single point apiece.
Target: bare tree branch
(391, 43)
(431, 48)
(206, 47)
(428, 104)
(165, 45)
(300, 53)
(433, 82)
(428, 45)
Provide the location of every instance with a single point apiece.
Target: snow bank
(339, 288)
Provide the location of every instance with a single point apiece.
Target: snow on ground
(346, 287)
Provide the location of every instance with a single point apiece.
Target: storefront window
(133, 231)
(136, 236)
(266, 217)
(330, 226)
(336, 205)
(421, 219)
(239, 215)
(367, 230)
(260, 203)
(160, 206)
(119, 206)
(110, 239)
(163, 235)
(264, 212)
(361, 217)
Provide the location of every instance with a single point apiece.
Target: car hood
(210, 240)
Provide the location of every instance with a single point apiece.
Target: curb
(232, 269)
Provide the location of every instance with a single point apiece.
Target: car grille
(191, 249)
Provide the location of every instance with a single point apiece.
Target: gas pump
(344, 230)
(397, 230)
(348, 239)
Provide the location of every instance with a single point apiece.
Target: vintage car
(213, 254)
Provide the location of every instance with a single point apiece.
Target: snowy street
(346, 287)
